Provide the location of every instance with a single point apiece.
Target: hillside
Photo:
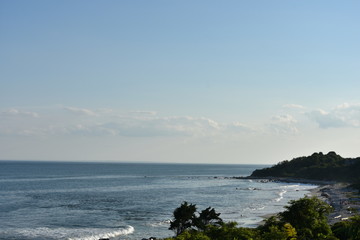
(318, 166)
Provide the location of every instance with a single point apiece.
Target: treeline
(318, 166)
(303, 219)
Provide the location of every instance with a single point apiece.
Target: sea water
(59, 200)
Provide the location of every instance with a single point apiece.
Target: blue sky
(179, 81)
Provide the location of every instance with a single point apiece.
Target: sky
(179, 81)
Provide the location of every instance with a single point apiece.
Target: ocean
(89, 201)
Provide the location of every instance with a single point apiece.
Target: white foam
(292, 186)
(281, 196)
(97, 236)
(159, 224)
(69, 233)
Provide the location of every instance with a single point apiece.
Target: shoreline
(344, 200)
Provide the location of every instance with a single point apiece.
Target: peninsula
(330, 213)
(318, 166)
(338, 179)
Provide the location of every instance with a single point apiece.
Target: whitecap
(160, 223)
(281, 196)
(67, 233)
(98, 235)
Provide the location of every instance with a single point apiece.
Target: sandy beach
(344, 200)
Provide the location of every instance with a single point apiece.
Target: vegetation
(185, 218)
(309, 217)
(347, 230)
(303, 219)
(318, 166)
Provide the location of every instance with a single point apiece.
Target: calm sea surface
(43, 200)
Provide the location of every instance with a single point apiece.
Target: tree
(184, 217)
(286, 232)
(208, 217)
(230, 231)
(309, 217)
(347, 230)
(275, 229)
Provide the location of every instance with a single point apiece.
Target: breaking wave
(67, 233)
(281, 196)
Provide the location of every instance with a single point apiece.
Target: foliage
(183, 218)
(347, 230)
(190, 235)
(286, 232)
(317, 166)
(302, 219)
(208, 217)
(229, 231)
(309, 217)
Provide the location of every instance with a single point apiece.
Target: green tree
(286, 232)
(208, 217)
(275, 229)
(347, 230)
(230, 231)
(309, 217)
(184, 217)
(192, 235)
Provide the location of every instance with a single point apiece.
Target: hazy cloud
(294, 106)
(344, 115)
(81, 111)
(283, 124)
(150, 127)
(151, 113)
(238, 127)
(110, 122)
(15, 112)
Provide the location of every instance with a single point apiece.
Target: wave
(66, 233)
(97, 236)
(292, 186)
(254, 207)
(281, 196)
(249, 188)
(160, 223)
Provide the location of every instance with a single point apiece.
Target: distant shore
(344, 199)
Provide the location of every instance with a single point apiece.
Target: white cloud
(283, 124)
(81, 111)
(344, 115)
(238, 127)
(294, 106)
(151, 113)
(133, 126)
(162, 126)
(15, 112)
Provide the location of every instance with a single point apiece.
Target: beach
(344, 200)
